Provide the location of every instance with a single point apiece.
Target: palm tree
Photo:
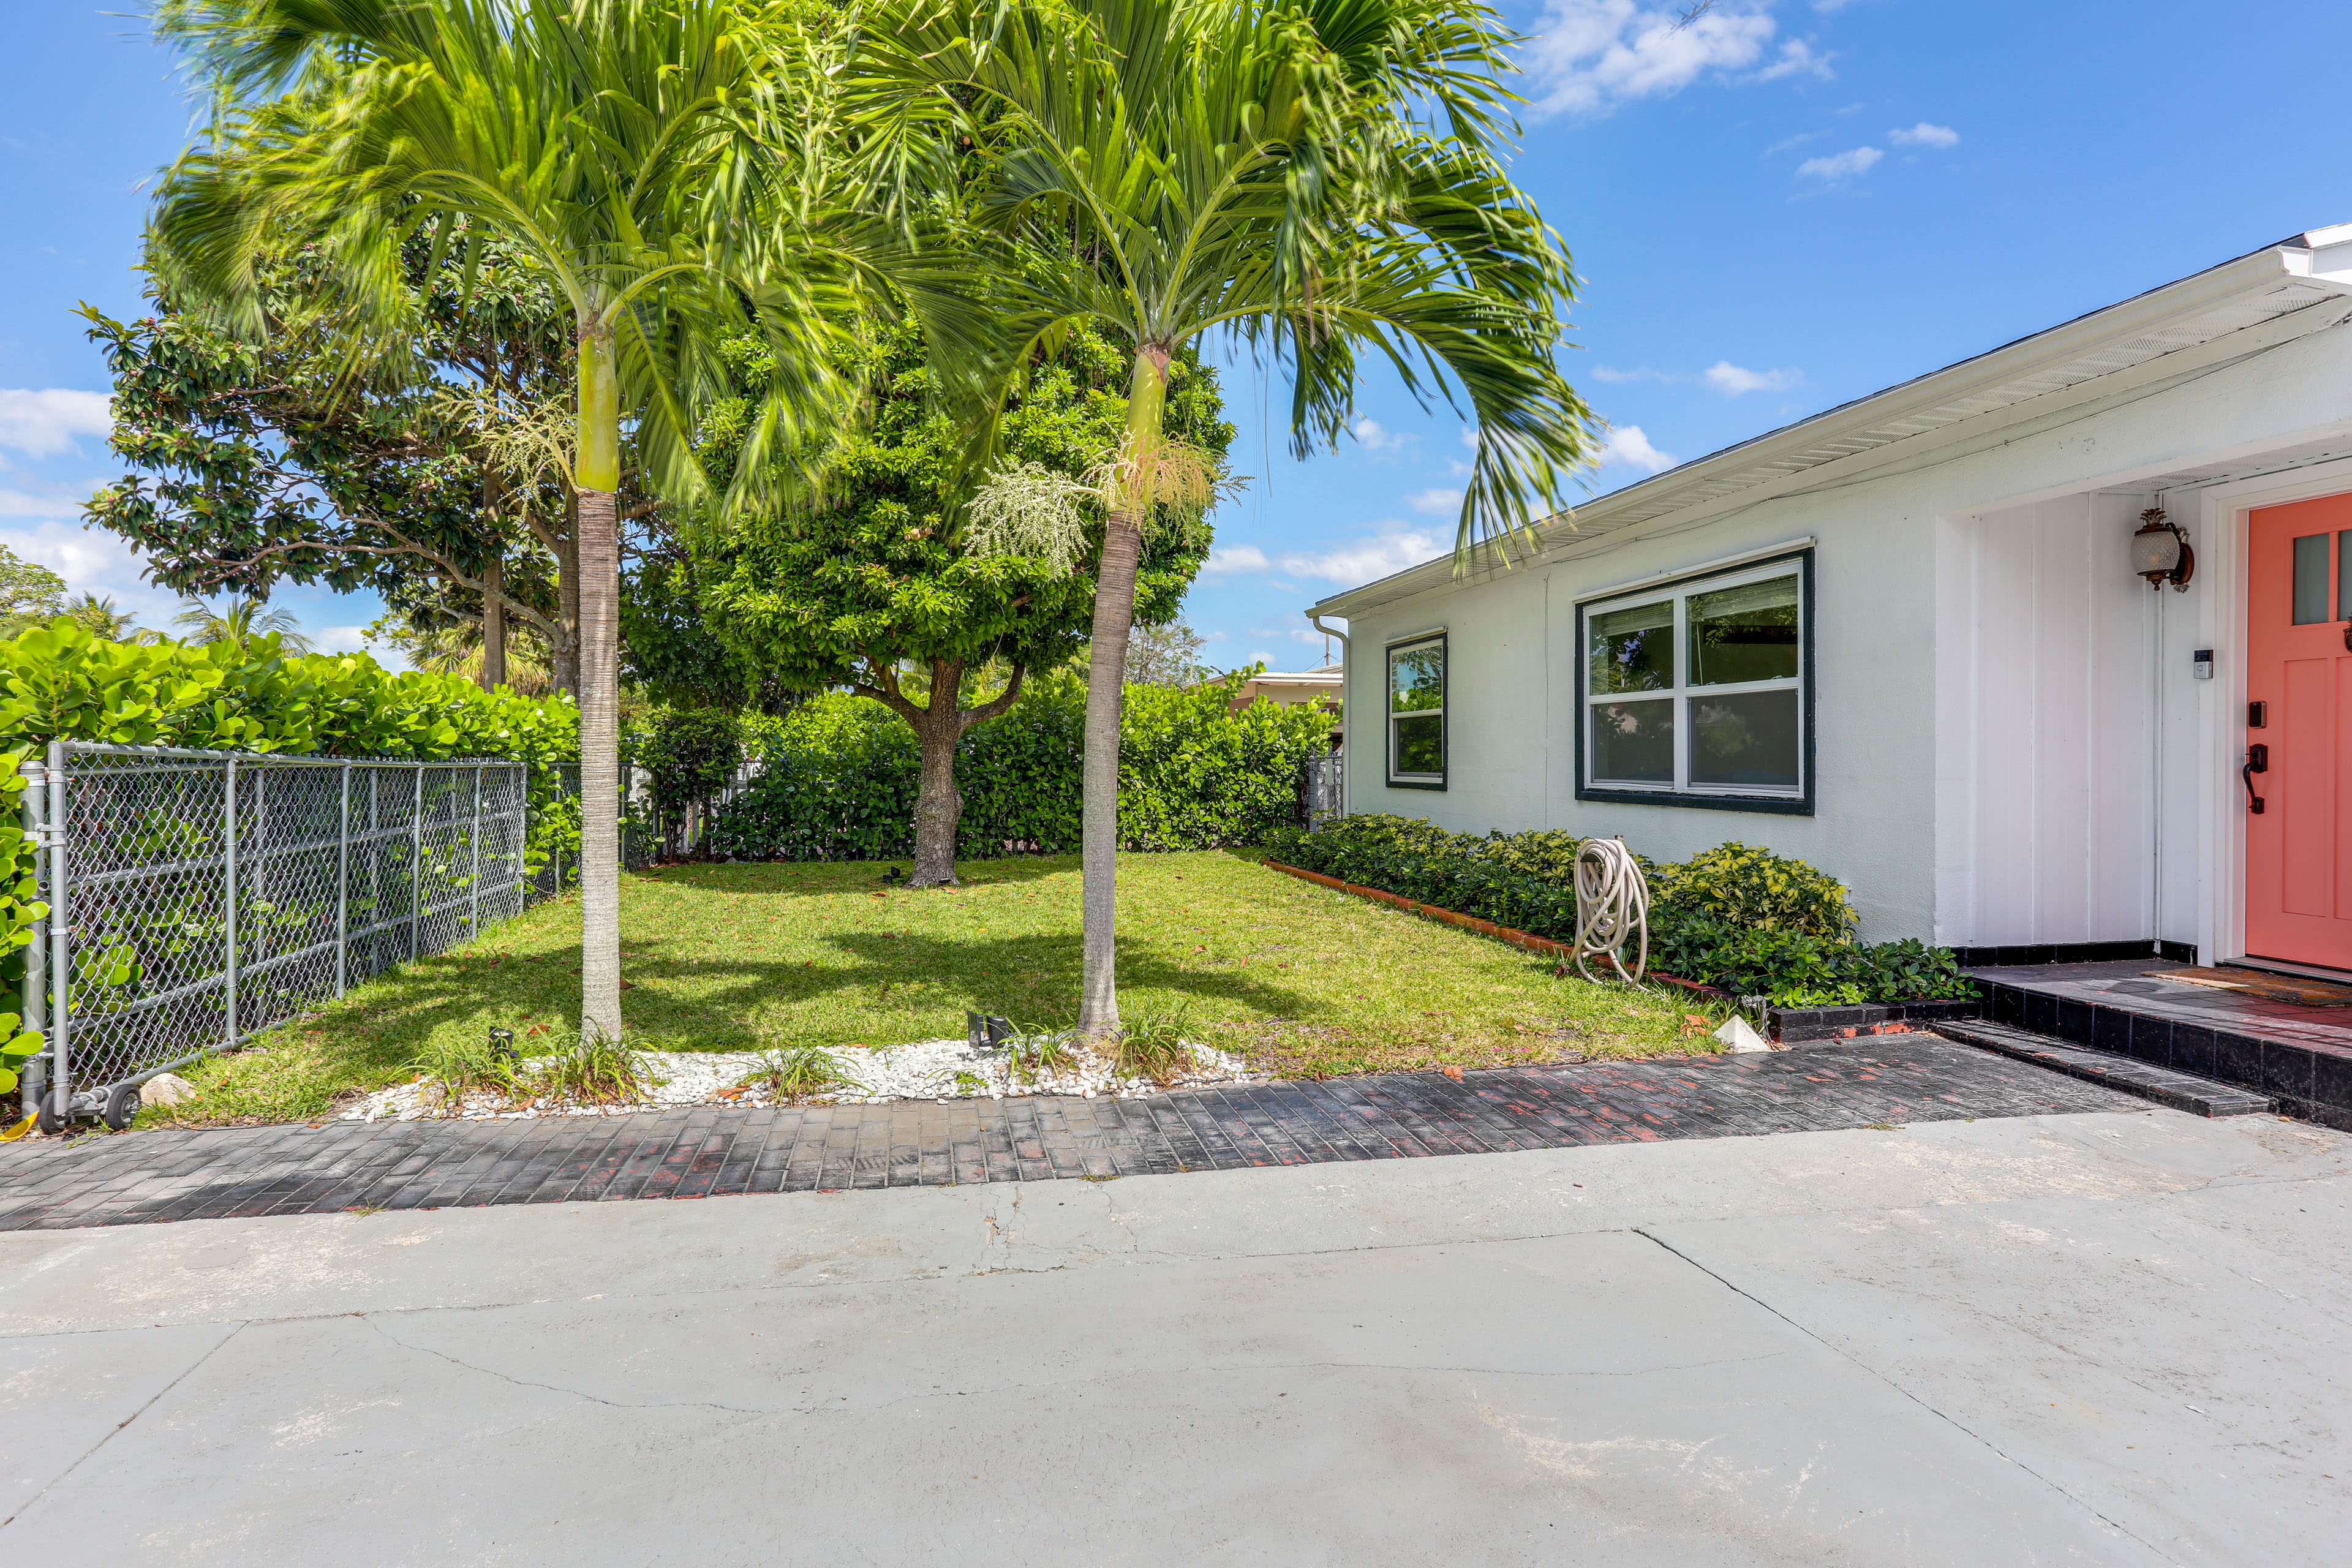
(647, 155)
(240, 621)
(99, 615)
(1318, 179)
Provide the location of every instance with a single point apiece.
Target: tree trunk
(940, 804)
(494, 628)
(1098, 807)
(598, 542)
(563, 657)
(1106, 695)
(1106, 675)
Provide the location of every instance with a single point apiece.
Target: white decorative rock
(166, 1088)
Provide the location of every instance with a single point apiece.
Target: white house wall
(2045, 720)
(1920, 810)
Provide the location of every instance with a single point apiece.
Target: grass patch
(800, 1070)
(1306, 982)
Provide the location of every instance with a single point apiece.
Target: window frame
(1445, 709)
(1707, 797)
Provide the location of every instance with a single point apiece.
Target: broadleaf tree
(877, 585)
(270, 456)
(1318, 180)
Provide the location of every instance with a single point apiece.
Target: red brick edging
(1529, 939)
(1566, 951)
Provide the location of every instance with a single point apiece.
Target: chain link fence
(1322, 789)
(197, 898)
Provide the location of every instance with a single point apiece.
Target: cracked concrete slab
(2113, 1338)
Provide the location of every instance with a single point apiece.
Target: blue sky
(1774, 209)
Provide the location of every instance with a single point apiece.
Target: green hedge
(841, 773)
(1753, 922)
(59, 682)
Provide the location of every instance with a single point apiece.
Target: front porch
(2299, 1055)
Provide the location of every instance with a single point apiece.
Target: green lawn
(1308, 982)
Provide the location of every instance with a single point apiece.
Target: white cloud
(1797, 59)
(43, 424)
(1723, 375)
(1840, 165)
(1456, 467)
(52, 500)
(1925, 136)
(1435, 500)
(341, 640)
(1783, 145)
(89, 559)
(1262, 657)
(1234, 558)
(1587, 56)
(1390, 550)
(1731, 380)
(1375, 436)
(1628, 445)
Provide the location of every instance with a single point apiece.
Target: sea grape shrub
(840, 773)
(60, 682)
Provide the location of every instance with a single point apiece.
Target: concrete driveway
(2111, 1338)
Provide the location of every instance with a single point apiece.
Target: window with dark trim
(1416, 713)
(1699, 692)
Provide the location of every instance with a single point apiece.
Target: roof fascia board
(2058, 346)
(2189, 296)
(1969, 436)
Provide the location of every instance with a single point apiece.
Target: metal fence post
(60, 937)
(343, 888)
(474, 881)
(229, 863)
(416, 867)
(521, 829)
(35, 1007)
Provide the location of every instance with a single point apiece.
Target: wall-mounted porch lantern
(2160, 552)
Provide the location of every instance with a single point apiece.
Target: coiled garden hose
(1612, 908)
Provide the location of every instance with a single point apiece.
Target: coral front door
(2298, 735)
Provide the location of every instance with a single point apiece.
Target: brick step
(2165, 1086)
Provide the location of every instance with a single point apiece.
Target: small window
(1417, 713)
(1700, 691)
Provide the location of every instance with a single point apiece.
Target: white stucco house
(1909, 640)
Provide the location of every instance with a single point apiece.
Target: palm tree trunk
(494, 628)
(1106, 693)
(564, 659)
(598, 470)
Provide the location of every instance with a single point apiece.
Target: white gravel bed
(941, 1069)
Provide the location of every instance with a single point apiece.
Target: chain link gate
(197, 897)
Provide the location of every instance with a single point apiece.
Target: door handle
(2258, 761)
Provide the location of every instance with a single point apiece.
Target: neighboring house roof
(2240, 308)
(1322, 681)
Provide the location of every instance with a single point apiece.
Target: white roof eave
(2001, 386)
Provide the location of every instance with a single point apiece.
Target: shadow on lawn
(1033, 980)
(926, 982)
(831, 879)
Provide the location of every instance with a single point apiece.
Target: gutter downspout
(1347, 674)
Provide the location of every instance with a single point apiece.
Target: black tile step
(2180, 1090)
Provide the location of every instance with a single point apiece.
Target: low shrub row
(1743, 919)
(839, 776)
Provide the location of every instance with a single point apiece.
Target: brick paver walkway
(137, 1177)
